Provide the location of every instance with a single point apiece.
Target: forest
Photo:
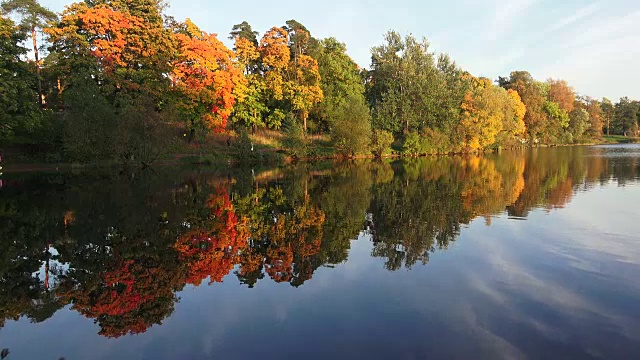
(120, 81)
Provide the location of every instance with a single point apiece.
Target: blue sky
(594, 45)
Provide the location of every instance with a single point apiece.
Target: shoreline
(21, 167)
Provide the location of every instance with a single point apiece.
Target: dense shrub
(381, 141)
(294, 140)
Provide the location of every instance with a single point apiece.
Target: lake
(523, 254)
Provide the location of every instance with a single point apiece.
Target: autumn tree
(148, 10)
(291, 83)
(299, 38)
(252, 106)
(513, 128)
(560, 93)
(274, 50)
(487, 112)
(302, 88)
(142, 42)
(456, 83)
(532, 96)
(594, 109)
(482, 118)
(130, 54)
(205, 75)
(128, 58)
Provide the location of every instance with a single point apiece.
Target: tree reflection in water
(118, 248)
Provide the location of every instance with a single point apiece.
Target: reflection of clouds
(603, 213)
(530, 286)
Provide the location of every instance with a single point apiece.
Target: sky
(594, 45)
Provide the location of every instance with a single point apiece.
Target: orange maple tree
(274, 48)
(128, 51)
(206, 76)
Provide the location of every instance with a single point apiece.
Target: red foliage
(213, 252)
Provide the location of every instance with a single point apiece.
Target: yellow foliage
(483, 115)
(246, 52)
(519, 110)
(274, 48)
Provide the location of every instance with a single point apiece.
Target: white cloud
(506, 15)
(579, 15)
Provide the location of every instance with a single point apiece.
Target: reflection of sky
(56, 268)
(615, 151)
(562, 283)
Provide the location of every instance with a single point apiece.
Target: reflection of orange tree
(482, 192)
(487, 189)
(127, 300)
(213, 251)
(295, 238)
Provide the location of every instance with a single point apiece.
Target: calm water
(519, 255)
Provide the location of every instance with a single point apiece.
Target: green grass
(619, 139)
(321, 147)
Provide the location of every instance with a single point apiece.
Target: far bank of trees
(118, 79)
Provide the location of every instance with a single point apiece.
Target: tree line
(119, 79)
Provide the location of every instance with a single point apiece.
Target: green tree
(456, 84)
(251, 106)
(340, 80)
(17, 99)
(608, 113)
(626, 117)
(403, 84)
(299, 38)
(149, 10)
(33, 17)
(381, 141)
(244, 30)
(558, 118)
(250, 109)
(351, 130)
(579, 123)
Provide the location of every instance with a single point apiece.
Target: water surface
(532, 254)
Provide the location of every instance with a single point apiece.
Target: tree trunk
(46, 269)
(35, 51)
(304, 124)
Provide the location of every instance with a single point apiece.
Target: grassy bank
(263, 147)
(619, 139)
